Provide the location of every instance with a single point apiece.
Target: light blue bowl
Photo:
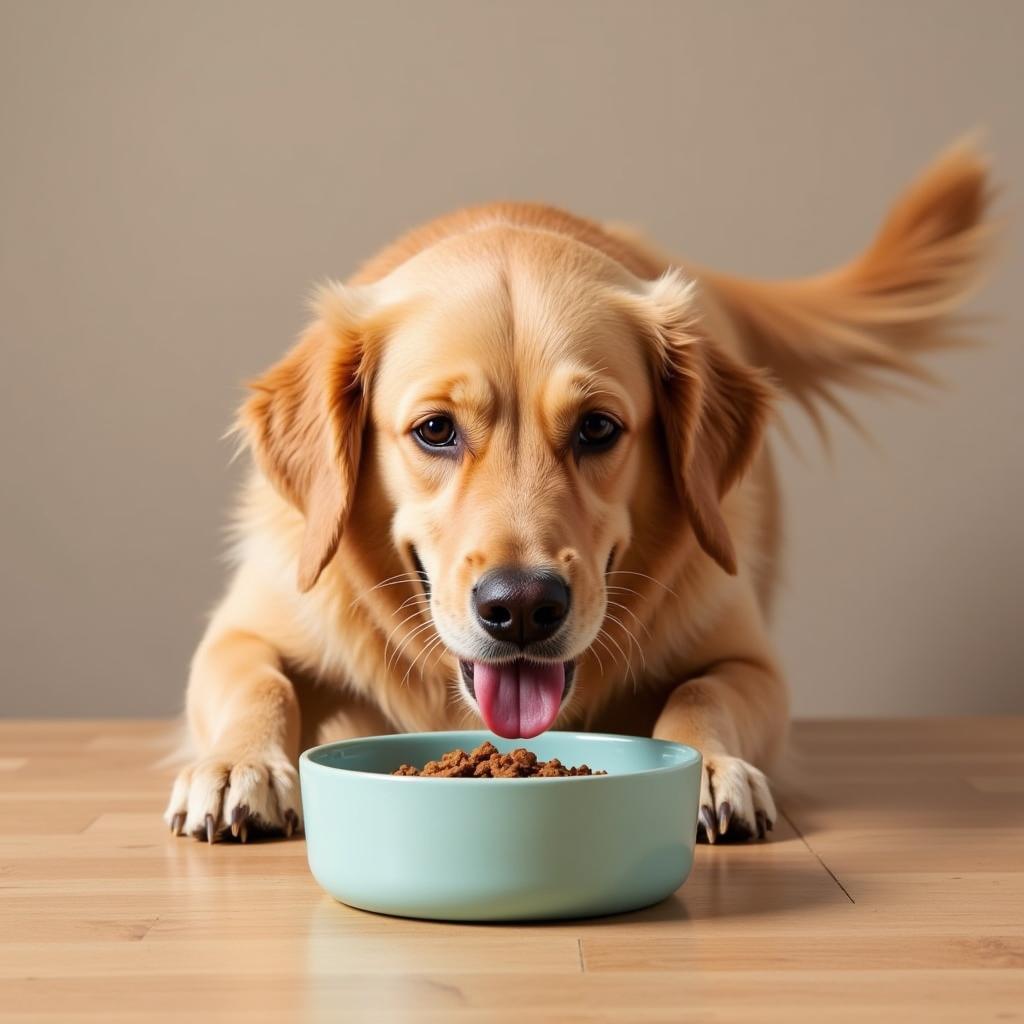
(500, 849)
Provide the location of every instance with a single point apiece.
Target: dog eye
(436, 432)
(597, 432)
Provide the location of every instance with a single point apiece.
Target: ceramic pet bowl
(500, 849)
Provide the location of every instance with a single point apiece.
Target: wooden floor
(892, 888)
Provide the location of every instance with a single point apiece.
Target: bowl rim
(691, 757)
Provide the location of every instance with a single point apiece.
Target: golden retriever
(515, 473)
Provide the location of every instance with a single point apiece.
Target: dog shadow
(726, 883)
(722, 887)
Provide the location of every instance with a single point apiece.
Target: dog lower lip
(466, 668)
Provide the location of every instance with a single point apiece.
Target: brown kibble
(487, 762)
(454, 759)
(524, 757)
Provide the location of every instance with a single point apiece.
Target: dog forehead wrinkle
(571, 389)
(468, 391)
(573, 335)
(468, 345)
(474, 392)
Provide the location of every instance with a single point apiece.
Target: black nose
(521, 606)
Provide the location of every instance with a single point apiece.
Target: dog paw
(735, 801)
(219, 796)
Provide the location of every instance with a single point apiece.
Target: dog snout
(521, 606)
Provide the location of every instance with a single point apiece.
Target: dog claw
(177, 823)
(724, 817)
(707, 819)
(238, 816)
(243, 831)
(762, 824)
(211, 829)
(291, 821)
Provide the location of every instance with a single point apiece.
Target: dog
(515, 473)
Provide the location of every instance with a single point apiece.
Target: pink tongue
(521, 699)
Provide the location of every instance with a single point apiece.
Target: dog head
(528, 406)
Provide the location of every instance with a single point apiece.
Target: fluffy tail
(857, 325)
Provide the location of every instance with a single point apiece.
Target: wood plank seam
(831, 873)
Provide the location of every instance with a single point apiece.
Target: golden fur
(517, 319)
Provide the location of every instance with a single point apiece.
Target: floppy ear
(304, 423)
(713, 407)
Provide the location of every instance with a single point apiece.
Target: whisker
(405, 643)
(625, 659)
(398, 577)
(387, 643)
(391, 581)
(632, 638)
(607, 649)
(429, 646)
(630, 572)
(618, 647)
(432, 645)
(593, 651)
(636, 618)
(439, 655)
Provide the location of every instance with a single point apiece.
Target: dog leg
(244, 717)
(735, 714)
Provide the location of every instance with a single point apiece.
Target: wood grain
(892, 887)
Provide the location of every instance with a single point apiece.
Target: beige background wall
(174, 176)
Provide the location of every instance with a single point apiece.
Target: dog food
(487, 762)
